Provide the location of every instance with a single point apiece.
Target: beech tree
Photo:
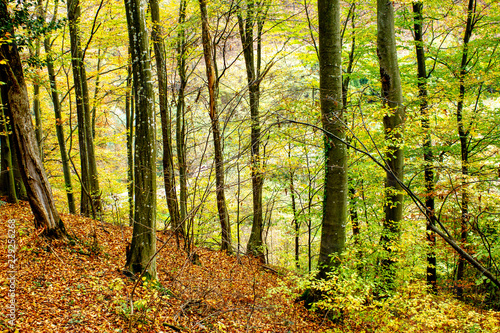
(90, 198)
(427, 143)
(56, 104)
(18, 111)
(392, 101)
(213, 87)
(143, 247)
(335, 184)
(166, 128)
(251, 20)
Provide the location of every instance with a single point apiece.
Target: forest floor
(80, 286)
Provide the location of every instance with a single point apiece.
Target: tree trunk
(90, 199)
(59, 122)
(295, 221)
(213, 87)
(393, 123)
(464, 134)
(36, 105)
(32, 171)
(129, 122)
(168, 161)
(254, 17)
(427, 144)
(180, 123)
(7, 151)
(143, 248)
(335, 182)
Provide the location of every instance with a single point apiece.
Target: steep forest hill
(80, 286)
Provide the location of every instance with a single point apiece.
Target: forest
(250, 166)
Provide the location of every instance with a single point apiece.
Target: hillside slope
(80, 286)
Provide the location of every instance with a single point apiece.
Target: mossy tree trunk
(335, 182)
(143, 247)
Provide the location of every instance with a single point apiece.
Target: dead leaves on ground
(80, 286)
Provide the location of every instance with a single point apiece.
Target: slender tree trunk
(335, 182)
(464, 135)
(90, 198)
(166, 129)
(31, 167)
(143, 248)
(254, 18)
(427, 144)
(295, 222)
(59, 121)
(346, 79)
(36, 104)
(208, 51)
(393, 123)
(129, 123)
(180, 122)
(93, 112)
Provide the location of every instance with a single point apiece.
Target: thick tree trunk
(32, 171)
(427, 145)
(90, 198)
(393, 123)
(166, 129)
(59, 123)
(141, 256)
(208, 51)
(335, 183)
(464, 135)
(254, 18)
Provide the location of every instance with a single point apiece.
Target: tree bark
(90, 198)
(427, 144)
(464, 135)
(335, 182)
(129, 122)
(254, 18)
(141, 256)
(166, 129)
(32, 171)
(180, 122)
(213, 87)
(393, 122)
